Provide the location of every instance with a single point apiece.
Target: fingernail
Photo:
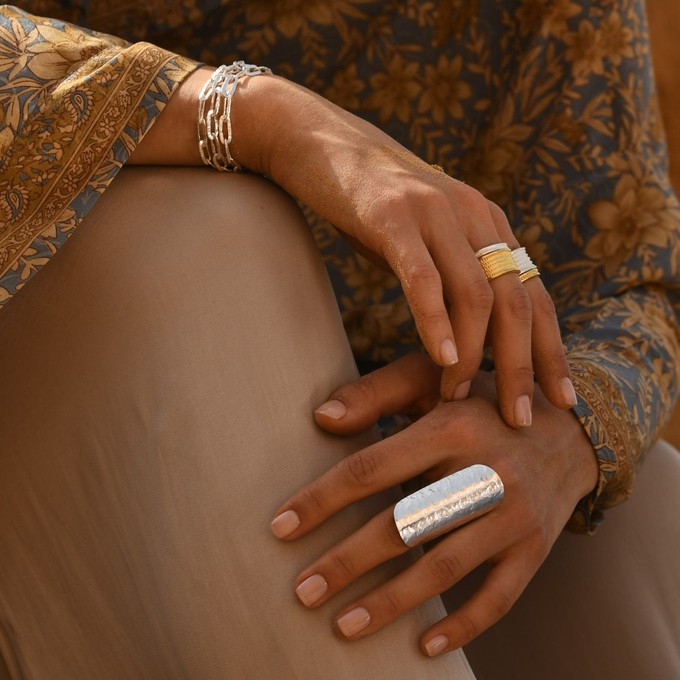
(523, 411)
(312, 589)
(286, 523)
(568, 392)
(461, 391)
(353, 621)
(436, 645)
(448, 352)
(333, 409)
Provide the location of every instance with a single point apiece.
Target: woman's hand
(398, 210)
(546, 470)
(426, 226)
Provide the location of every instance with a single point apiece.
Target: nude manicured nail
(332, 409)
(461, 391)
(568, 392)
(436, 645)
(286, 523)
(523, 411)
(353, 621)
(448, 352)
(312, 589)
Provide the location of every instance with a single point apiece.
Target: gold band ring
(525, 276)
(497, 263)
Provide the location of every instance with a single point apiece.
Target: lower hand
(545, 469)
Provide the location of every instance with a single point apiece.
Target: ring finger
(440, 568)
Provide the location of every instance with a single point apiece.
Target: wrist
(584, 468)
(172, 138)
(259, 107)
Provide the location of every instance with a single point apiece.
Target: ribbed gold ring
(497, 263)
(525, 276)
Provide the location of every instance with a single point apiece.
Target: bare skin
(394, 208)
(546, 470)
(425, 226)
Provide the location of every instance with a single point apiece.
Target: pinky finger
(550, 361)
(501, 588)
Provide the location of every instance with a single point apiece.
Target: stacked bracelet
(214, 114)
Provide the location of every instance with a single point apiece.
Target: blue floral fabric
(546, 106)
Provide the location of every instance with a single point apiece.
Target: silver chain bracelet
(213, 125)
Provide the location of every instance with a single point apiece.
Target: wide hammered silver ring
(446, 504)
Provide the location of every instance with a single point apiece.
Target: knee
(168, 238)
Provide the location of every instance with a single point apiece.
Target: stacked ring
(497, 260)
(527, 268)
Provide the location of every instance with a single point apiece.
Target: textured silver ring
(527, 268)
(523, 261)
(446, 504)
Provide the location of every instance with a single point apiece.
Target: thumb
(405, 386)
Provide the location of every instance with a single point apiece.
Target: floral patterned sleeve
(73, 106)
(549, 109)
(546, 107)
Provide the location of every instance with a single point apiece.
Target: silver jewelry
(452, 501)
(213, 124)
(527, 268)
(491, 249)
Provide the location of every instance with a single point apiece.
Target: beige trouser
(156, 387)
(157, 383)
(602, 607)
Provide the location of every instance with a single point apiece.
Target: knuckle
(523, 375)
(469, 627)
(500, 603)
(472, 201)
(542, 303)
(557, 359)
(391, 604)
(497, 213)
(433, 317)
(519, 304)
(362, 394)
(313, 499)
(361, 468)
(429, 194)
(342, 564)
(421, 275)
(445, 570)
(479, 293)
(362, 390)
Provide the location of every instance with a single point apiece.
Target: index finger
(369, 471)
(422, 284)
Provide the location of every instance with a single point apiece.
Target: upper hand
(426, 226)
(545, 470)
